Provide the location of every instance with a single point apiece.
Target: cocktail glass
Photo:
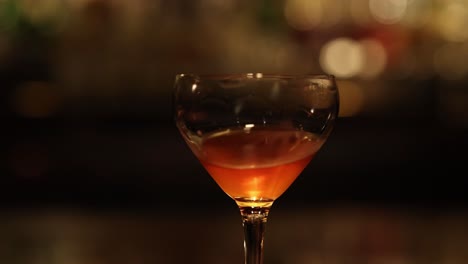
(254, 133)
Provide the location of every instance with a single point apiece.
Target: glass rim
(257, 75)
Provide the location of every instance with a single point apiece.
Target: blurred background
(93, 170)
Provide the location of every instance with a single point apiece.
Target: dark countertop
(333, 234)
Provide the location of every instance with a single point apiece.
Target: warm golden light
(375, 58)
(352, 98)
(303, 14)
(248, 127)
(418, 14)
(388, 11)
(452, 20)
(41, 11)
(342, 57)
(359, 12)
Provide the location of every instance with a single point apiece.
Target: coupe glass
(254, 133)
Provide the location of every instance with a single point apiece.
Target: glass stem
(254, 221)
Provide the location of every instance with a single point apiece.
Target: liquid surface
(257, 164)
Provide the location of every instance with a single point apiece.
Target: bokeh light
(452, 20)
(375, 58)
(303, 14)
(418, 14)
(388, 11)
(342, 57)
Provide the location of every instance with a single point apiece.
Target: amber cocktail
(255, 133)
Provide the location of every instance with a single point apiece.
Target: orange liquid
(257, 164)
